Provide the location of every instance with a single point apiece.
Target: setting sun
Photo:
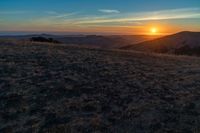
(154, 30)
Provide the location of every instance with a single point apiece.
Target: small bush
(43, 39)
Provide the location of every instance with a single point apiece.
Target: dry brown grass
(58, 88)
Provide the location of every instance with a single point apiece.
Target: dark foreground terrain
(63, 89)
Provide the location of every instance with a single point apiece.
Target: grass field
(56, 88)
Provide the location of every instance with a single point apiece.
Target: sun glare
(154, 30)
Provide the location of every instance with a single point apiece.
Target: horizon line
(13, 33)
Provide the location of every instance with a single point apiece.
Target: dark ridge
(170, 44)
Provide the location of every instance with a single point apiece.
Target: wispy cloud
(108, 11)
(182, 13)
(117, 20)
(51, 12)
(52, 20)
(65, 15)
(57, 15)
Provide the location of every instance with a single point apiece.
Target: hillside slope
(63, 89)
(106, 42)
(180, 43)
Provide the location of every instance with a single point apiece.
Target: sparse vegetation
(43, 39)
(187, 50)
(62, 89)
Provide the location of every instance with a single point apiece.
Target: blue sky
(103, 16)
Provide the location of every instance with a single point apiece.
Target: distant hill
(181, 43)
(97, 41)
(114, 41)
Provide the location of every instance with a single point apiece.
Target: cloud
(183, 13)
(65, 15)
(57, 15)
(108, 11)
(79, 20)
(51, 12)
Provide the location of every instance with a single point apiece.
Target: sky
(100, 16)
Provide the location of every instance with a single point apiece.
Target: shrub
(43, 39)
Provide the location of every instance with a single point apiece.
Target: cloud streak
(108, 11)
(110, 19)
(74, 19)
(65, 15)
(183, 13)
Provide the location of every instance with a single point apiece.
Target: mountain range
(182, 43)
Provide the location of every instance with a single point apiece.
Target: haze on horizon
(105, 16)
